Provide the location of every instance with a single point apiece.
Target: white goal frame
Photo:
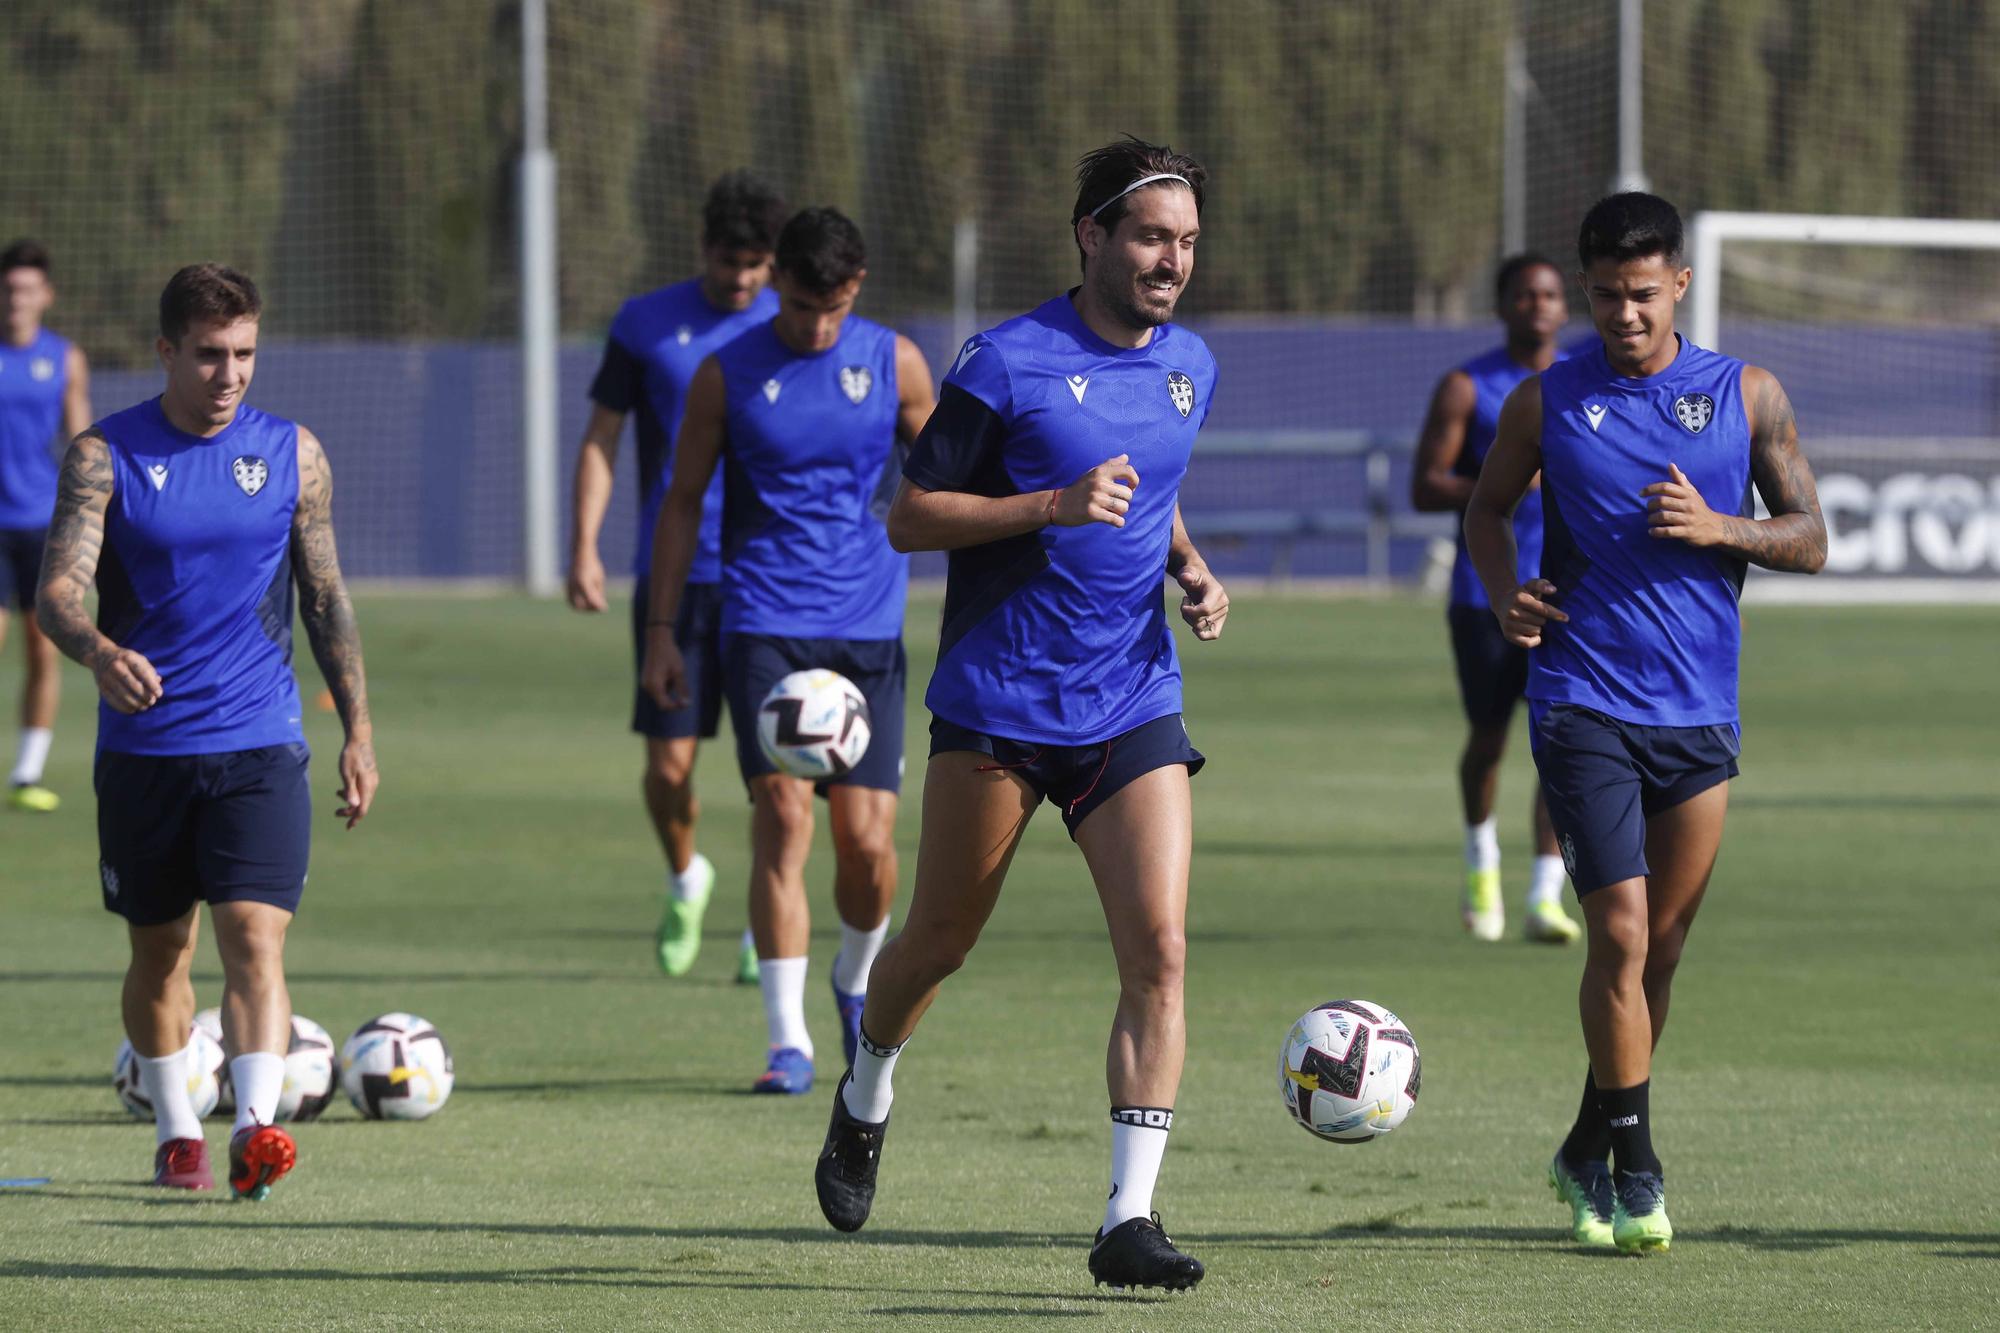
(1709, 232)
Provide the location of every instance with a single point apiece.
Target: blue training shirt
(657, 341)
(32, 382)
(1493, 377)
(809, 467)
(1653, 630)
(1060, 636)
(196, 575)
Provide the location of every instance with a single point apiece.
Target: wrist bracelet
(1048, 519)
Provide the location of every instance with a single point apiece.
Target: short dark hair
(206, 294)
(1514, 266)
(821, 249)
(1631, 225)
(1104, 177)
(743, 212)
(25, 253)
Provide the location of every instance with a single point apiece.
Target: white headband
(1143, 180)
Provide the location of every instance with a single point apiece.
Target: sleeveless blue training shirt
(32, 382)
(1493, 377)
(196, 575)
(657, 341)
(808, 467)
(1653, 630)
(1061, 635)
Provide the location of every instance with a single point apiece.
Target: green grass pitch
(1828, 1098)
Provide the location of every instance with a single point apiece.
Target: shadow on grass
(565, 1276)
(1868, 801)
(1383, 1231)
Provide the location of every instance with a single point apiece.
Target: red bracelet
(1049, 518)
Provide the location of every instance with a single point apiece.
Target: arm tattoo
(324, 607)
(76, 541)
(1793, 539)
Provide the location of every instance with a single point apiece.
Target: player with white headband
(1056, 677)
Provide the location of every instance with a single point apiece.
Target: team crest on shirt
(251, 473)
(1181, 389)
(1694, 410)
(855, 382)
(42, 368)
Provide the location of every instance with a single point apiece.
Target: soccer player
(656, 342)
(1648, 447)
(1051, 472)
(1458, 430)
(195, 515)
(44, 388)
(804, 414)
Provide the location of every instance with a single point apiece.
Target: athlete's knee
(1663, 955)
(930, 954)
(1484, 748)
(1618, 942)
(252, 943)
(669, 768)
(785, 804)
(1155, 964)
(160, 952)
(864, 849)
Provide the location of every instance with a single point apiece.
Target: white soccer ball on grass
(396, 1067)
(204, 1070)
(1349, 1071)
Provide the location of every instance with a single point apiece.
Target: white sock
(868, 1093)
(32, 757)
(165, 1082)
(857, 954)
(784, 984)
(1138, 1141)
(1547, 884)
(258, 1079)
(1482, 845)
(685, 885)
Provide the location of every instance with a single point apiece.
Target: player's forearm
(64, 621)
(1434, 492)
(592, 495)
(1489, 540)
(1789, 543)
(335, 636)
(1181, 550)
(947, 520)
(674, 541)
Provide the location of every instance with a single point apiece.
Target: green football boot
(747, 972)
(1587, 1191)
(33, 798)
(1639, 1218)
(1547, 923)
(679, 938)
(1484, 917)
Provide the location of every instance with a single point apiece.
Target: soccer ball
(205, 1067)
(310, 1072)
(396, 1067)
(1349, 1071)
(814, 724)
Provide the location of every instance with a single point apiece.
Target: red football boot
(259, 1157)
(182, 1164)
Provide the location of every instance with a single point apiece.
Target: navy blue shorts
(698, 634)
(753, 663)
(1605, 778)
(1492, 673)
(1079, 778)
(173, 830)
(20, 565)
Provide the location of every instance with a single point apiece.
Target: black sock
(1590, 1137)
(1630, 1127)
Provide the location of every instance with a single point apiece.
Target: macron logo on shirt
(1595, 411)
(159, 475)
(1077, 384)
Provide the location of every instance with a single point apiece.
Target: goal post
(1899, 407)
